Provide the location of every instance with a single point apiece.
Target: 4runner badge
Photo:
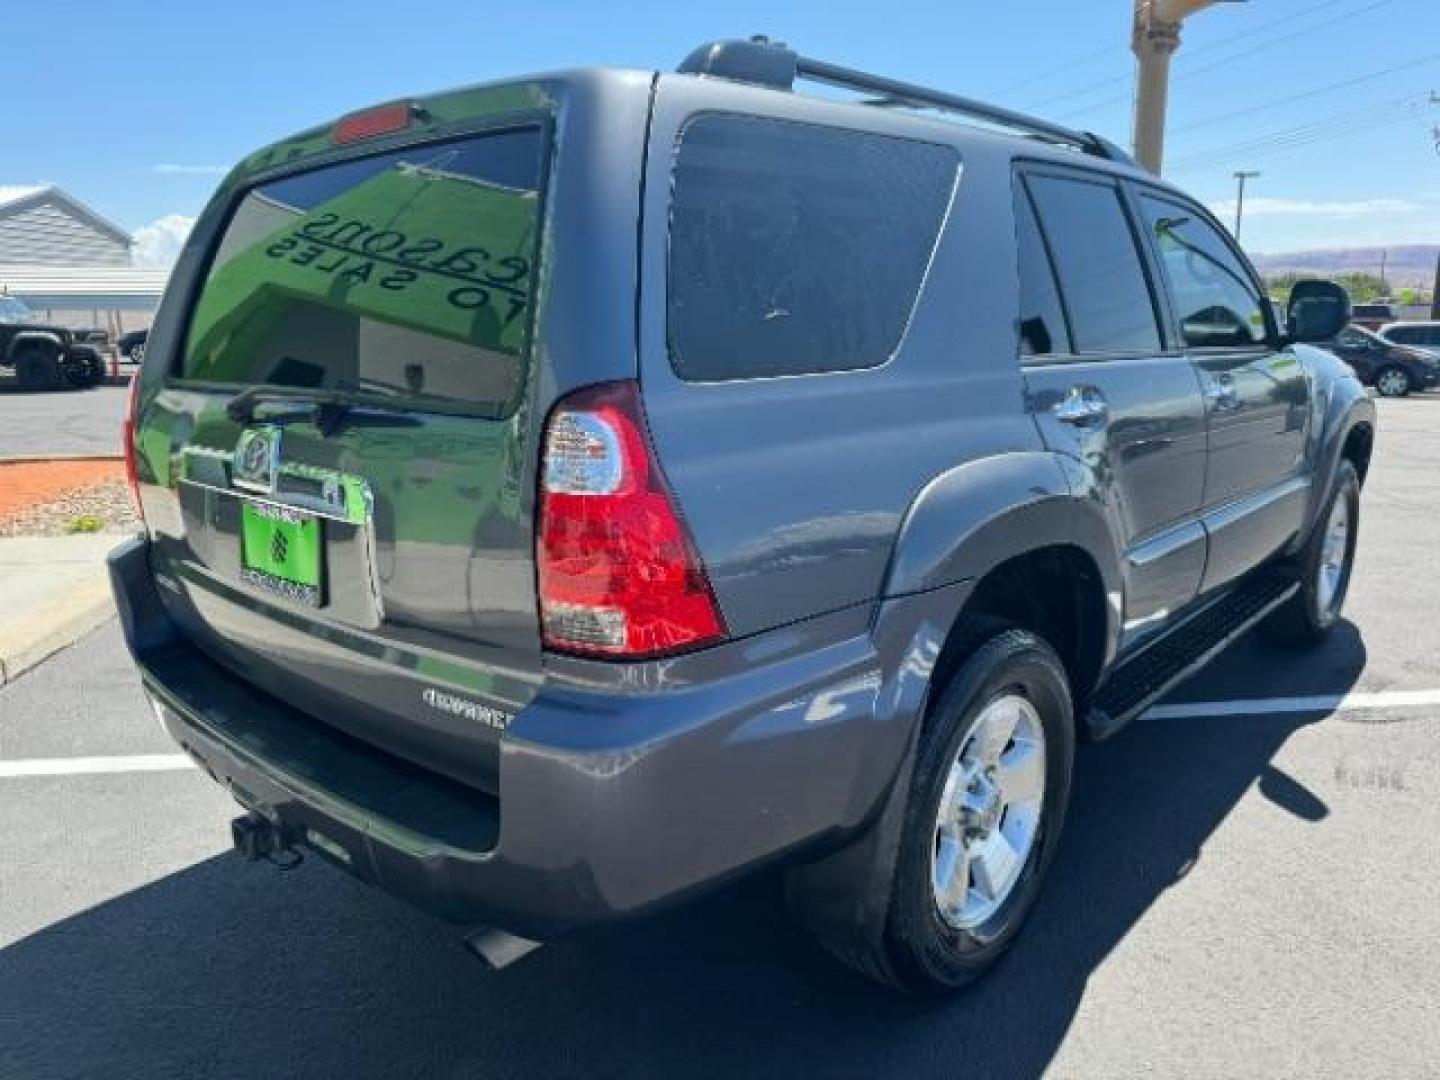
(465, 708)
(257, 459)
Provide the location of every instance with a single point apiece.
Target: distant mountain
(1406, 265)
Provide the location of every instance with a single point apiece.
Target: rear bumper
(611, 801)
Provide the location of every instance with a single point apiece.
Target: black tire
(37, 369)
(921, 951)
(1393, 381)
(83, 372)
(1307, 617)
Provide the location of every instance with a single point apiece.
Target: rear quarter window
(796, 248)
(406, 274)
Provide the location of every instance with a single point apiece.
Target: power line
(1080, 61)
(1201, 50)
(1303, 134)
(1265, 46)
(1324, 129)
(1320, 126)
(1316, 92)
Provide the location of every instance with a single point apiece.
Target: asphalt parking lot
(67, 422)
(1243, 890)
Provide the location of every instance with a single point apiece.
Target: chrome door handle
(1083, 406)
(1221, 393)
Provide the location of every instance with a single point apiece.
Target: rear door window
(1101, 276)
(408, 274)
(796, 248)
(1216, 302)
(1042, 317)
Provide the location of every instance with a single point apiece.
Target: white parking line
(1189, 710)
(1328, 703)
(79, 766)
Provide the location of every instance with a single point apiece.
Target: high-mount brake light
(128, 430)
(381, 120)
(618, 573)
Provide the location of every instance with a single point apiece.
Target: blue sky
(1327, 98)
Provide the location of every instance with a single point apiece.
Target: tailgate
(349, 463)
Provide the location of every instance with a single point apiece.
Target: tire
(83, 372)
(36, 369)
(1324, 564)
(931, 946)
(1392, 381)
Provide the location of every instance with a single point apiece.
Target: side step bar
(1137, 683)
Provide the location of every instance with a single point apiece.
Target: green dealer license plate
(280, 552)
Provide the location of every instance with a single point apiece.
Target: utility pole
(1241, 175)
(1384, 258)
(1154, 39)
(1435, 292)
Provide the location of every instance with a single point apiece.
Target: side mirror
(1317, 311)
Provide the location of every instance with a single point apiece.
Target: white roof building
(63, 259)
(47, 226)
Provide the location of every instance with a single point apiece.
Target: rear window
(407, 274)
(1371, 311)
(796, 248)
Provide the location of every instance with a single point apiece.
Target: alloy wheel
(990, 811)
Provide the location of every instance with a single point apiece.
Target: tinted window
(1414, 335)
(796, 248)
(1372, 311)
(408, 273)
(1353, 339)
(1042, 319)
(1099, 267)
(1215, 300)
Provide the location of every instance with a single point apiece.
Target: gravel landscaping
(103, 507)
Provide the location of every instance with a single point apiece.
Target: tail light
(618, 573)
(127, 436)
(371, 123)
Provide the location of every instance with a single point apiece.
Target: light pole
(1154, 38)
(1241, 175)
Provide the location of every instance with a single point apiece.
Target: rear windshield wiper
(327, 408)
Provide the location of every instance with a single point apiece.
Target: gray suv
(567, 494)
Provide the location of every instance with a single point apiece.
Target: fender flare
(1345, 407)
(43, 338)
(975, 516)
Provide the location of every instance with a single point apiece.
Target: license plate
(281, 552)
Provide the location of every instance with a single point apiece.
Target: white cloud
(158, 244)
(1268, 207)
(189, 170)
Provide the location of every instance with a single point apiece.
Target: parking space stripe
(80, 766)
(1327, 703)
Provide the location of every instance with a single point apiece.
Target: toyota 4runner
(567, 494)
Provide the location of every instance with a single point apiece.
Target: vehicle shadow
(227, 970)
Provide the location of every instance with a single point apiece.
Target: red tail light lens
(381, 120)
(127, 437)
(618, 573)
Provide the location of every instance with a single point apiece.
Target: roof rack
(770, 63)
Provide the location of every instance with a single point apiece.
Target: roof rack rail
(770, 63)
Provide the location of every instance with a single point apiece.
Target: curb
(67, 619)
(40, 459)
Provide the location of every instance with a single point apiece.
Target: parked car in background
(1394, 370)
(46, 357)
(132, 345)
(1424, 336)
(1372, 316)
(584, 554)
